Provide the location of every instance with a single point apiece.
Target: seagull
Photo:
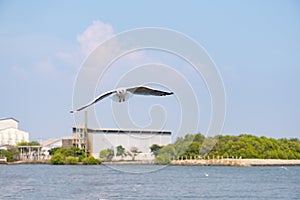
(123, 93)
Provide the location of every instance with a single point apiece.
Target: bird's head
(121, 91)
(121, 95)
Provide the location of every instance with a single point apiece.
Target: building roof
(120, 131)
(50, 142)
(7, 118)
(67, 138)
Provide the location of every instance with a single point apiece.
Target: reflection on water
(171, 182)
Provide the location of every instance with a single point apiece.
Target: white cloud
(94, 35)
(87, 41)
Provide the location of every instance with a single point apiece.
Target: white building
(141, 140)
(10, 133)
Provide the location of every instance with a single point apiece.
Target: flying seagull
(123, 93)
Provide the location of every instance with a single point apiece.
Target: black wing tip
(167, 93)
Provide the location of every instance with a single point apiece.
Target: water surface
(171, 182)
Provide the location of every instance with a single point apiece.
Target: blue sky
(254, 44)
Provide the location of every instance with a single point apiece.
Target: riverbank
(147, 162)
(21, 162)
(209, 162)
(237, 162)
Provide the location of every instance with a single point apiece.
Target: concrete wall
(8, 123)
(13, 136)
(100, 141)
(67, 142)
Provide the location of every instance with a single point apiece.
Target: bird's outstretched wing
(142, 90)
(98, 98)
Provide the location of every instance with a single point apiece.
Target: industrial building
(10, 133)
(99, 139)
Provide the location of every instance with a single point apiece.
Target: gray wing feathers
(142, 90)
(102, 96)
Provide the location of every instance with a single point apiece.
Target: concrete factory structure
(108, 138)
(10, 133)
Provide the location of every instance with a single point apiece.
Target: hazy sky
(254, 44)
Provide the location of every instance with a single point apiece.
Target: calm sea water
(171, 182)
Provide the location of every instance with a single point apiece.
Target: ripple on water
(172, 182)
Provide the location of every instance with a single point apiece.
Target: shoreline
(28, 162)
(210, 162)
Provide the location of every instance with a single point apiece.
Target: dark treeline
(245, 146)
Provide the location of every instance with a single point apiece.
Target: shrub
(57, 159)
(11, 156)
(91, 161)
(53, 150)
(65, 151)
(80, 158)
(68, 156)
(163, 159)
(70, 160)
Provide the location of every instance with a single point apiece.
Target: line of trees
(244, 145)
(33, 143)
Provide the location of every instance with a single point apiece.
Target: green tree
(66, 152)
(69, 156)
(91, 161)
(209, 146)
(120, 150)
(57, 159)
(180, 147)
(33, 143)
(134, 151)
(11, 154)
(106, 154)
(244, 145)
(70, 160)
(199, 138)
(166, 154)
(53, 150)
(192, 150)
(163, 159)
(155, 148)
